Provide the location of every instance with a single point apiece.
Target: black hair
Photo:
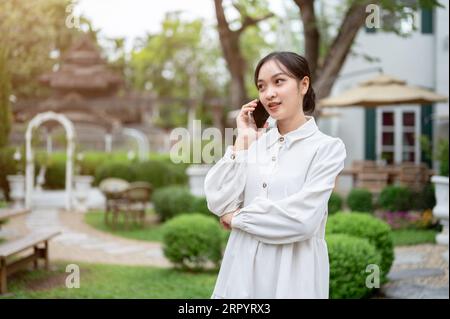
(297, 67)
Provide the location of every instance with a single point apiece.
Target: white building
(393, 133)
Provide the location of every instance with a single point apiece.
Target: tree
(180, 65)
(35, 35)
(251, 13)
(5, 111)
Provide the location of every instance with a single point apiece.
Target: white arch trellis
(70, 132)
(142, 142)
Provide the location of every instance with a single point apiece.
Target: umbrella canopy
(383, 90)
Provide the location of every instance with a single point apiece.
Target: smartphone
(260, 115)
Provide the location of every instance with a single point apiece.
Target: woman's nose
(270, 93)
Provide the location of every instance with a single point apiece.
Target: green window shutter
(427, 20)
(426, 129)
(370, 134)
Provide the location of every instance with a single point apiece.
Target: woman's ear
(304, 85)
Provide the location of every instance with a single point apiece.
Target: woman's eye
(278, 81)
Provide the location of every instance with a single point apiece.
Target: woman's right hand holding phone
(247, 130)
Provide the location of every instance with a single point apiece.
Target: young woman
(272, 190)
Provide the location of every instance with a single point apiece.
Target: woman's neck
(287, 125)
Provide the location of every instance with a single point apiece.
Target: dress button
(264, 185)
(274, 158)
(281, 139)
(233, 156)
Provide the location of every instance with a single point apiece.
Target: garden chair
(132, 203)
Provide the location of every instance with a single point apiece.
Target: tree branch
(249, 21)
(311, 34)
(335, 58)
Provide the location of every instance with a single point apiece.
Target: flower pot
(440, 211)
(17, 190)
(82, 188)
(197, 174)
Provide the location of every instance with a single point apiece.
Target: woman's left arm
(296, 217)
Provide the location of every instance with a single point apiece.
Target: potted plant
(197, 171)
(441, 210)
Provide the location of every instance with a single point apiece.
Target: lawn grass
(112, 281)
(406, 237)
(147, 233)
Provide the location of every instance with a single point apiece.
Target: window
(398, 132)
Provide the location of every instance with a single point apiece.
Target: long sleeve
(225, 182)
(296, 217)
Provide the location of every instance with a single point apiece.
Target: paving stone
(408, 258)
(413, 273)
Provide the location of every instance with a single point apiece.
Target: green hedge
(335, 203)
(175, 200)
(360, 200)
(191, 241)
(172, 201)
(396, 199)
(349, 257)
(366, 226)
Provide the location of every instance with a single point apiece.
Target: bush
(191, 241)
(160, 173)
(172, 201)
(396, 199)
(360, 200)
(349, 257)
(366, 226)
(335, 203)
(55, 173)
(442, 157)
(116, 169)
(425, 199)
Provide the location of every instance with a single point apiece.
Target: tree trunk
(229, 41)
(324, 76)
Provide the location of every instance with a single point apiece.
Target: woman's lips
(274, 107)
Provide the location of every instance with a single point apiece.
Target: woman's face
(281, 94)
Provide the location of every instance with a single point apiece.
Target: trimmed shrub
(360, 200)
(335, 203)
(349, 257)
(171, 201)
(396, 199)
(116, 169)
(371, 228)
(191, 241)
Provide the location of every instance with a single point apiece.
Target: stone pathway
(418, 272)
(81, 242)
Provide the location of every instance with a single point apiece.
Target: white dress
(277, 246)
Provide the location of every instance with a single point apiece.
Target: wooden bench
(6, 213)
(11, 248)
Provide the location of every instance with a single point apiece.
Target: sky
(135, 18)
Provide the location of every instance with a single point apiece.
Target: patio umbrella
(382, 90)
